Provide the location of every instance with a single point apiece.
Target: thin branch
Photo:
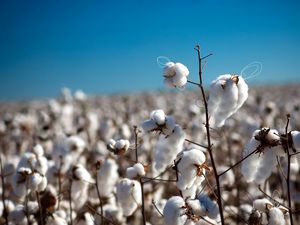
(191, 82)
(70, 201)
(136, 143)
(99, 214)
(195, 143)
(5, 214)
(98, 192)
(59, 180)
(208, 136)
(204, 57)
(157, 209)
(288, 170)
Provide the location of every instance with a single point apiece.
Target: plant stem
(288, 171)
(70, 201)
(40, 208)
(209, 148)
(99, 195)
(3, 192)
(140, 179)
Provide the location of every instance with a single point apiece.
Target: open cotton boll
(129, 195)
(198, 209)
(107, 176)
(55, 219)
(137, 170)
(190, 167)
(36, 182)
(158, 116)
(80, 96)
(211, 207)
(296, 140)
(174, 211)
(175, 74)
(262, 205)
(76, 143)
(258, 167)
(227, 94)
(276, 217)
(167, 149)
(19, 181)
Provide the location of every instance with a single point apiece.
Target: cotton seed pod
(276, 217)
(129, 195)
(175, 74)
(174, 211)
(262, 205)
(137, 170)
(158, 116)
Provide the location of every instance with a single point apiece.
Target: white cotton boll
(227, 94)
(198, 209)
(17, 216)
(137, 170)
(107, 177)
(276, 217)
(267, 164)
(76, 143)
(179, 81)
(129, 195)
(167, 149)
(38, 150)
(188, 168)
(87, 219)
(19, 181)
(212, 208)
(149, 125)
(262, 205)
(296, 143)
(80, 96)
(43, 184)
(111, 211)
(181, 69)
(33, 181)
(158, 116)
(169, 69)
(56, 220)
(169, 126)
(80, 173)
(9, 205)
(174, 211)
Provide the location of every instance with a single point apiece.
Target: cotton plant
(129, 195)
(276, 214)
(227, 93)
(191, 171)
(259, 165)
(175, 74)
(119, 147)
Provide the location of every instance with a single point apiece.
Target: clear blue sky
(112, 46)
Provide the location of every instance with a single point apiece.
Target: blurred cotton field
(106, 160)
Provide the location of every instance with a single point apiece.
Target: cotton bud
(129, 195)
(174, 211)
(107, 175)
(262, 205)
(175, 74)
(137, 170)
(226, 95)
(118, 147)
(190, 167)
(167, 149)
(276, 217)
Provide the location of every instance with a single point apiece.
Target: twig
(40, 208)
(59, 180)
(157, 209)
(98, 192)
(99, 214)
(70, 201)
(195, 143)
(140, 179)
(288, 170)
(208, 136)
(3, 192)
(26, 203)
(191, 82)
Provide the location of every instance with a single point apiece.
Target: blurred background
(105, 47)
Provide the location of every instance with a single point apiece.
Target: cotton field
(170, 158)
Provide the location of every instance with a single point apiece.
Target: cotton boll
(129, 195)
(212, 208)
(87, 219)
(19, 182)
(198, 209)
(179, 81)
(38, 150)
(77, 144)
(181, 69)
(167, 148)
(276, 217)
(169, 125)
(169, 69)
(137, 170)
(227, 95)
(80, 96)
(17, 216)
(107, 176)
(55, 219)
(174, 211)
(33, 181)
(296, 139)
(9, 205)
(149, 125)
(158, 116)
(189, 167)
(262, 205)
(80, 173)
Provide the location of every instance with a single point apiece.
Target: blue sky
(112, 46)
